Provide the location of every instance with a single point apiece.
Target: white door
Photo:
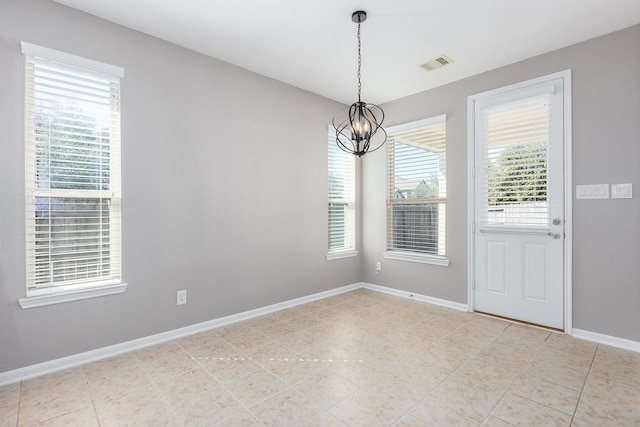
(518, 228)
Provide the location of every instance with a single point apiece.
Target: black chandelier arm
(355, 126)
(346, 145)
(376, 122)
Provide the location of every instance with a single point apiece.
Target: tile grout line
(593, 359)
(220, 384)
(422, 399)
(153, 383)
(93, 401)
(19, 404)
(514, 380)
(546, 380)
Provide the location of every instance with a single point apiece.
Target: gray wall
(606, 149)
(224, 189)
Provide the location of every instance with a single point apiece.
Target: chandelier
(356, 124)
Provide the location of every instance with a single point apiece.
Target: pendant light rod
(360, 16)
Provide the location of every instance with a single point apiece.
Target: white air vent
(438, 62)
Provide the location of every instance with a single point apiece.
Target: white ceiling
(312, 44)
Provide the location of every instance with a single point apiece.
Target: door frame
(568, 187)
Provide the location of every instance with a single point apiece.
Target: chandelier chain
(359, 63)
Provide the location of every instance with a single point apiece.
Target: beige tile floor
(358, 359)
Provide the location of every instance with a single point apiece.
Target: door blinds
(515, 160)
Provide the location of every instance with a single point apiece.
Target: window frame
(406, 255)
(336, 155)
(56, 291)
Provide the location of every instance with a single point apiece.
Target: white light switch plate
(621, 191)
(594, 191)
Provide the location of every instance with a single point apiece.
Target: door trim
(568, 189)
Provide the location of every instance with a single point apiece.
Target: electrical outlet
(378, 266)
(181, 297)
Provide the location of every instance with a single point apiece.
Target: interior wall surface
(224, 186)
(223, 198)
(606, 150)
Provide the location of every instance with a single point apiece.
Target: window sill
(412, 257)
(340, 255)
(44, 297)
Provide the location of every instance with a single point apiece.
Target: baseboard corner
(622, 343)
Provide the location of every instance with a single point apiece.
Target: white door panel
(519, 203)
(514, 279)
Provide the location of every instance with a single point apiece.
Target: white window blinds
(417, 188)
(72, 137)
(342, 225)
(515, 139)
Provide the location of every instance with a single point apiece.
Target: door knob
(556, 221)
(554, 235)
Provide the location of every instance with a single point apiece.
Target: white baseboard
(51, 366)
(417, 297)
(606, 339)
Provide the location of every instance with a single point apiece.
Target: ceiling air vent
(438, 62)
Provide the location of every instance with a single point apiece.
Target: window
(514, 137)
(416, 199)
(72, 145)
(342, 224)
